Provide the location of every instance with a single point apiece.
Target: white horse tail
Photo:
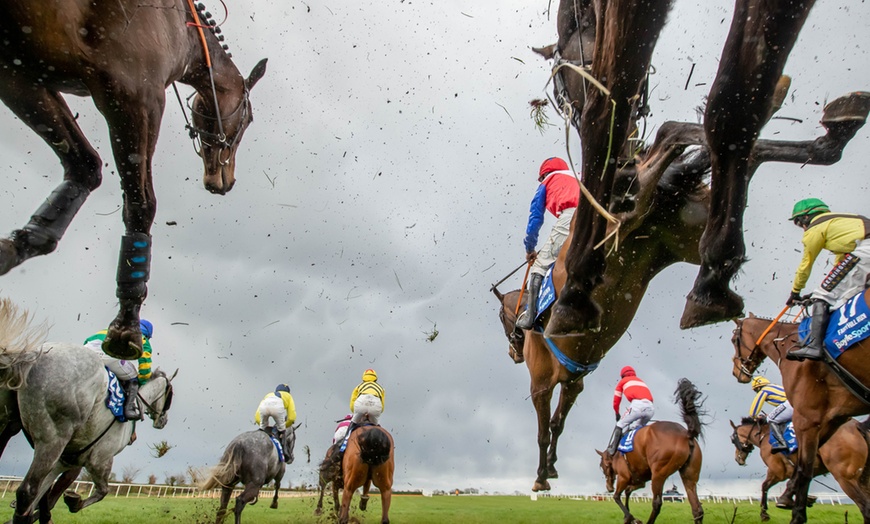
(225, 473)
(20, 344)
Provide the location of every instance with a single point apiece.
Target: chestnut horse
(123, 54)
(742, 98)
(368, 459)
(660, 450)
(845, 456)
(821, 401)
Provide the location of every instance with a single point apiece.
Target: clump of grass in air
(539, 113)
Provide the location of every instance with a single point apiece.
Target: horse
(660, 450)
(58, 393)
(845, 455)
(624, 33)
(252, 459)
(368, 459)
(329, 473)
(821, 401)
(123, 55)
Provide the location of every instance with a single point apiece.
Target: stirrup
(806, 352)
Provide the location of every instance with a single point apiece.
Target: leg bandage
(134, 265)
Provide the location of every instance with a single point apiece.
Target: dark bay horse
(368, 459)
(822, 403)
(624, 33)
(252, 460)
(845, 455)
(660, 450)
(329, 474)
(57, 393)
(123, 54)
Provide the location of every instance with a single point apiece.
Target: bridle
(742, 447)
(749, 364)
(153, 413)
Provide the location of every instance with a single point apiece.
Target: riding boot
(614, 440)
(131, 403)
(818, 327)
(777, 431)
(528, 317)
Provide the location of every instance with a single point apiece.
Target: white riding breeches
(550, 251)
(123, 369)
(367, 406)
(639, 412)
(339, 434)
(853, 282)
(272, 406)
(781, 414)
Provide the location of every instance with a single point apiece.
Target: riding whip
(522, 289)
(772, 322)
(508, 276)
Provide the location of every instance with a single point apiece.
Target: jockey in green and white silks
(847, 236)
(131, 374)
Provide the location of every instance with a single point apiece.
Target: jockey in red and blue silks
(640, 405)
(558, 193)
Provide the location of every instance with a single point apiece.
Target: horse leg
(386, 497)
(657, 486)
(807, 433)
(768, 483)
(248, 494)
(690, 482)
(541, 397)
(628, 518)
(364, 498)
(38, 479)
(319, 509)
(274, 504)
(747, 78)
(226, 493)
(132, 147)
(100, 474)
(567, 396)
(346, 497)
(48, 115)
(60, 486)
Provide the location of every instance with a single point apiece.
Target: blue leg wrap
(134, 266)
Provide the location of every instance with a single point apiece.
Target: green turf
(424, 510)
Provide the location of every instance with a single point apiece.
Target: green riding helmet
(809, 206)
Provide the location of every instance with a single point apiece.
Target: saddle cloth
(849, 324)
(547, 295)
(278, 447)
(115, 397)
(790, 439)
(626, 443)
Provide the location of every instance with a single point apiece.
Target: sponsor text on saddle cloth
(547, 295)
(790, 440)
(626, 443)
(849, 324)
(278, 447)
(115, 397)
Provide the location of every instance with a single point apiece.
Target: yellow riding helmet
(370, 376)
(759, 382)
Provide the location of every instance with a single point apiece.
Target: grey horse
(252, 459)
(56, 393)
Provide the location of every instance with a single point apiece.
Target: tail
(374, 446)
(691, 404)
(330, 468)
(20, 344)
(224, 474)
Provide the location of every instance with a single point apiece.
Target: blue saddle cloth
(115, 397)
(849, 324)
(626, 443)
(790, 439)
(547, 295)
(278, 447)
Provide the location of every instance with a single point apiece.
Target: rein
(166, 393)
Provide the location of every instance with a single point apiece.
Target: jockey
(640, 405)
(366, 402)
(774, 395)
(130, 374)
(341, 429)
(280, 407)
(559, 194)
(844, 235)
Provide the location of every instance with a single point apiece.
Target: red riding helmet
(552, 164)
(627, 371)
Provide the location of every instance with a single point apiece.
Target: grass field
(424, 510)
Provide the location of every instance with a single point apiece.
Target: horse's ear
(732, 424)
(297, 426)
(256, 74)
(498, 295)
(547, 52)
(751, 314)
(173, 375)
(599, 452)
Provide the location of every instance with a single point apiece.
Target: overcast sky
(382, 188)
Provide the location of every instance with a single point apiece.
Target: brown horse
(123, 54)
(660, 450)
(845, 456)
(329, 475)
(822, 403)
(624, 34)
(368, 459)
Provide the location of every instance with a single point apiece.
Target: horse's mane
(748, 420)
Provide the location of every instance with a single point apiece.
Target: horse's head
(158, 398)
(220, 129)
(742, 446)
(606, 466)
(290, 442)
(747, 355)
(507, 315)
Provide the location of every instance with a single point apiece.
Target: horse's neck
(153, 389)
(227, 77)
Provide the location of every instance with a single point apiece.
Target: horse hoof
(811, 500)
(73, 501)
(541, 486)
(318, 512)
(574, 319)
(124, 343)
(552, 473)
(363, 503)
(850, 108)
(701, 310)
(765, 517)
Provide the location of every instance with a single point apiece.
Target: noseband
(149, 408)
(742, 447)
(749, 364)
(219, 138)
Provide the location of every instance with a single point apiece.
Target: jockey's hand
(531, 256)
(793, 299)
